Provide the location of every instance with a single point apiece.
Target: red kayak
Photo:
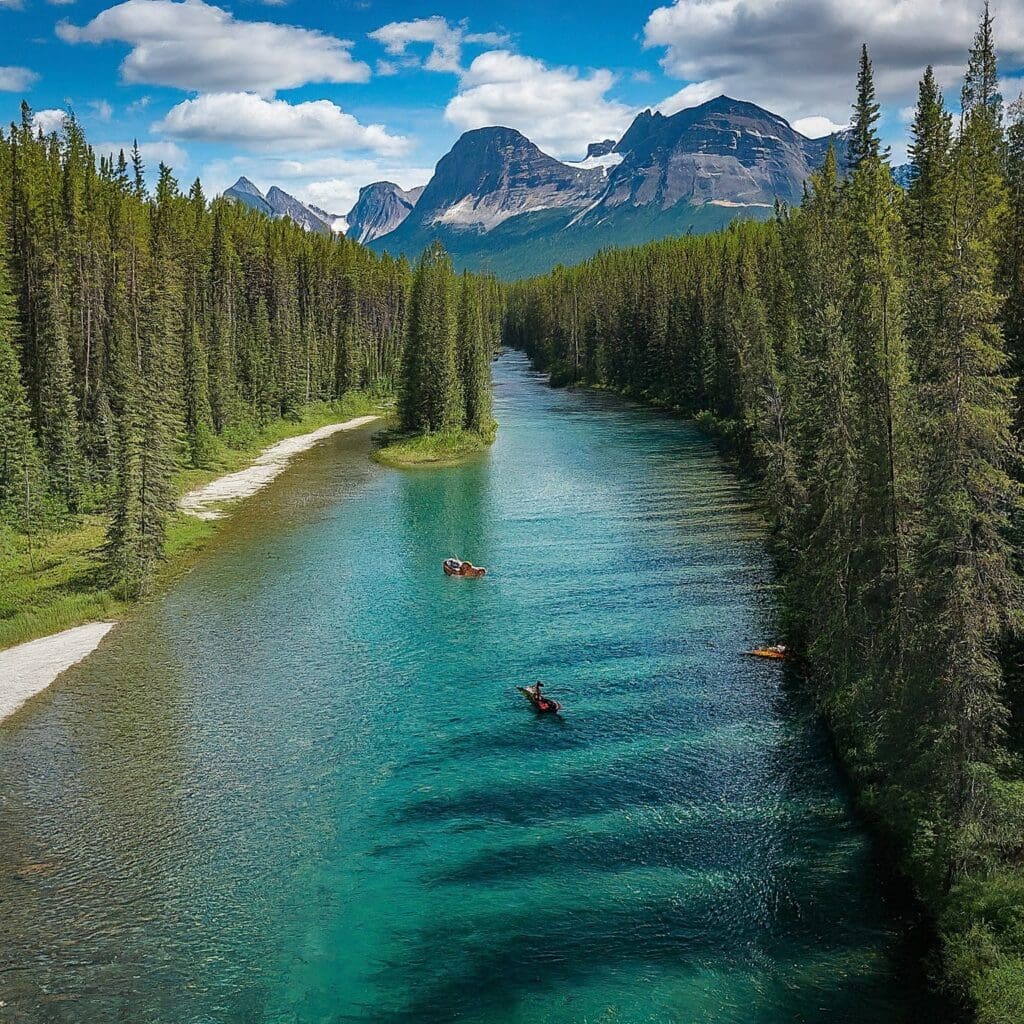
(545, 705)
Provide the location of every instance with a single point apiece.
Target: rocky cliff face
(278, 203)
(497, 202)
(380, 208)
(724, 152)
(494, 174)
(600, 148)
(285, 205)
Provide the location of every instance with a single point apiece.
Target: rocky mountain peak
(381, 207)
(492, 174)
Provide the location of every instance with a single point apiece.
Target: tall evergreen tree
(430, 398)
(864, 142)
(474, 358)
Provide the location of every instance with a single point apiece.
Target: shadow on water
(471, 970)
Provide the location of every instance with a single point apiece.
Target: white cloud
(153, 153)
(15, 79)
(799, 57)
(49, 121)
(445, 41)
(101, 110)
(691, 95)
(248, 120)
(14, 5)
(818, 127)
(559, 109)
(198, 47)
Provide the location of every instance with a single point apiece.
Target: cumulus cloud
(153, 153)
(198, 47)
(16, 79)
(249, 120)
(560, 109)
(101, 110)
(691, 95)
(48, 121)
(799, 57)
(445, 41)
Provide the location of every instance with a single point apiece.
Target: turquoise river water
(301, 787)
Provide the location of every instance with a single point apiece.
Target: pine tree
(864, 142)
(474, 359)
(58, 417)
(970, 590)
(430, 398)
(20, 471)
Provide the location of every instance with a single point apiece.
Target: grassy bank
(59, 579)
(433, 451)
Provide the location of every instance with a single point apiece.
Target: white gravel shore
(204, 501)
(29, 668)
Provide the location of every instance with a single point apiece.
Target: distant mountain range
(497, 202)
(278, 203)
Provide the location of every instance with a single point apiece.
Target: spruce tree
(863, 140)
(474, 359)
(430, 398)
(20, 471)
(58, 416)
(970, 590)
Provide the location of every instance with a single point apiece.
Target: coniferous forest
(863, 353)
(142, 331)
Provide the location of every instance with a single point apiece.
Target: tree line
(454, 329)
(865, 353)
(140, 330)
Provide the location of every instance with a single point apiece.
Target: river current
(301, 786)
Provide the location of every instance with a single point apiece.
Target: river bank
(30, 668)
(207, 502)
(59, 633)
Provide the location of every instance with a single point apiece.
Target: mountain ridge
(498, 202)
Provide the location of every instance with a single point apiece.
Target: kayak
(776, 653)
(457, 567)
(545, 705)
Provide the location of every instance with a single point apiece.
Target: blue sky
(323, 97)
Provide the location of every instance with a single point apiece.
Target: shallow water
(302, 788)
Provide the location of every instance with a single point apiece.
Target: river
(301, 787)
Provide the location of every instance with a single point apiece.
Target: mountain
(380, 208)
(903, 175)
(338, 222)
(245, 192)
(285, 205)
(499, 203)
(492, 195)
(277, 203)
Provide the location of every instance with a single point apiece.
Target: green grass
(433, 451)
(60, 579)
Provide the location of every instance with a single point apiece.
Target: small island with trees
(444, 398)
